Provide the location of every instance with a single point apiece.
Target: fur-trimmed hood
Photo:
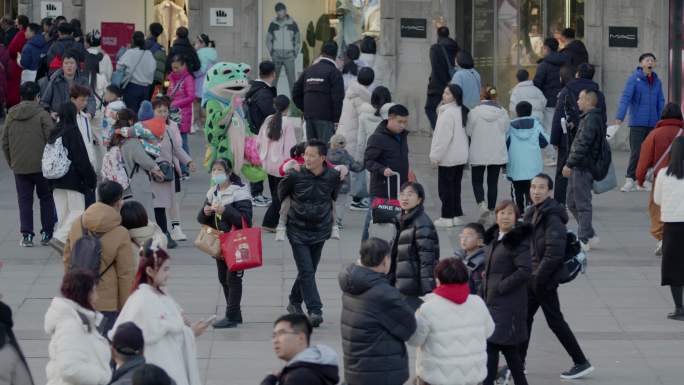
(513, 238)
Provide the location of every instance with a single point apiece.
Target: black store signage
(413, 28)
(623, 37)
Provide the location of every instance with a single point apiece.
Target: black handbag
(175, 112)
(166, 169)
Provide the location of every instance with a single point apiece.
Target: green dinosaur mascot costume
(226, 129)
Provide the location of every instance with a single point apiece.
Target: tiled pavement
(617, 309)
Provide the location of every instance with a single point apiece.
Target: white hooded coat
(527, 91)
(449, 142)
(355, 96)
(487, 126)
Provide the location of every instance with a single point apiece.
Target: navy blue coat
(645, 102)
(32, 52)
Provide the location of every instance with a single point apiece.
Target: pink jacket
(274, 152)
(183, 97)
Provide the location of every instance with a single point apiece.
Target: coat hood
(639, 73)
(356, 90)
(670, 122)
(549, 207)
(63, 308)
(101, 218)
(456, 292)
(513, 238)
(37, 41)
(320, 359)
(140, 235)
(555, 58)
(25, 110)
(522, 128)
(490, 112)
(355, 279)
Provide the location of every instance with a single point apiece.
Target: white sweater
(487, 126)
(452, 340)
(667, 194)
(76, 356)
(449, 142)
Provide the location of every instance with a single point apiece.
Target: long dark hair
(67, 121)
(676, 166)
(457, 92)
(275, 126)
(350, 55)
(380, 96)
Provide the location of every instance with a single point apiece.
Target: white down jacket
(77, 356)
(528, 92)
(452, 340)
(354, 97)
(449, 142)
(487, 126)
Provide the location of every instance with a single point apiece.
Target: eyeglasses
(281, 333)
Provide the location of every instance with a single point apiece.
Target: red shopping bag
(241, 248)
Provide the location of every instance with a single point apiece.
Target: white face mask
(219, 179)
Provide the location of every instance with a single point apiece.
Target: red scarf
(454, 292)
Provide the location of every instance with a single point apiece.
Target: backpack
(574, 260)
(601, 164)
(113, 167)
(55, 163)
(87, 253)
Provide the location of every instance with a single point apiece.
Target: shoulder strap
(176, 88)
(84, 320)
(446, 56)
(667, 152)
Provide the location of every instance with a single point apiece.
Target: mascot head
(226, 80)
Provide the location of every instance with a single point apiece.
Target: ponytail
(275, 125)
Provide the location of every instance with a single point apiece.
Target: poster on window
(50, 9)
(115, 36)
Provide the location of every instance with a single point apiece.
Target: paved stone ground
(617, 309)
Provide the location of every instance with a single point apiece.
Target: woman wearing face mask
(228, 203)
(508, 267)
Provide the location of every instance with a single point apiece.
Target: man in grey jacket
(127, 353)
(283, 42)
(56, 91)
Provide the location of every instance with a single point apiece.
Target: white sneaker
(483, 207)
(280, 234)
(335, 232)
(659, 248)
(592, 242)
(648, 186)
(458, 221)
(194, 128)
(444, 222)
(629, 185)
(177, 234)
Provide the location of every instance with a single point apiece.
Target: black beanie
(128, 339)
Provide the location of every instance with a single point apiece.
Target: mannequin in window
(284, 42)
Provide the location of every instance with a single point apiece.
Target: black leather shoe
(316, 319)
(678, 314)
(225, 323)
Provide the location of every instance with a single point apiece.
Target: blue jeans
(186, 147)
(366, 223)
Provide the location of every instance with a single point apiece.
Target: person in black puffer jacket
(312, 192)
(504, 287)
(376, 320)
(182, 46)
(260, 97)
(415, 251)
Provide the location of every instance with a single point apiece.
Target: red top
(655, 145)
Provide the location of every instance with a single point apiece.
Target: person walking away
(33, 51)
(340, 156)
(452, 315)
(260, 105)
(13, 367)
(182, 94)
(442, 56)
(655, 154)
(117, 268)
(547, 79)
(57, 90)
(141, 65)
(668, 192)
(284, 42)
(563, 134)
(159, 54)
(77, 353)
(643, 97)
(65, 44)
(319, 92)
(69, 191)
(227, 206)
(574, 49)
(583, 154)
(449, 153)
(206, 52)
(127, 353)
(304, 364)
(94, 42)
(24, 136)
(14, 70)
(312, 190)
(183, 47)
(468, 79)
(369, 56)
(415, 250)
(472, 253)
(526, 91)
(504, 288)
(524, 138)
(134, 219)
(386, 154)
(352, 65)
(548, 220)
(486, 128)
(376, 321)
(169, 344)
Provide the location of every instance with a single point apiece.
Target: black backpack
(601, 164)
(87, 253)
(574, 260)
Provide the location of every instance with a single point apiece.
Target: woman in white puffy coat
(78, 354)
(452, 330)
(487, 126)
(449, 152)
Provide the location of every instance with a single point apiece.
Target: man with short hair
(386, 154)
(33, 51)
(319, 92)
(283, 42)
(65, 44)
(312, 191)
(526, 91)
(442, 58)
(548, 220)
(305, 364)
(376, 320)
(56, 91)
(117, 267)
(547, 79)
(574, 50)
(583, 154)
(127, 346)
(24, 136)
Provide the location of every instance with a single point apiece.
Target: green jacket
(24, 136)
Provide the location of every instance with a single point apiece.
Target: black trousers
(513, 361)
(160, 217)
(521, 194)
(492, 183)
(231, 283)
(449, 188)
(26, 184)
(560, 183)
(304, 288)
(637, 134)
(272, 215)
(320, 129)
(431, 104)
(547, 299)
(256, 188)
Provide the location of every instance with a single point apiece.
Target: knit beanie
(128, 339)
(145, 112)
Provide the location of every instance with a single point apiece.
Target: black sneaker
(26, 240)
(225, 323)
(170, 243)
(678, 314)
(358, 206)
(315, 319)
(295, 309)
(45, 238)
(578, 371)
